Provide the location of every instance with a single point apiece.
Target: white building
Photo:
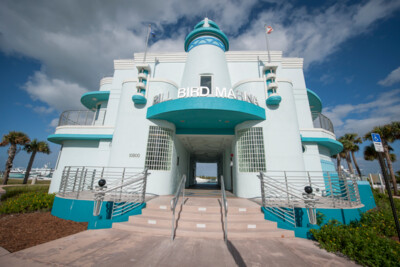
(206, 104)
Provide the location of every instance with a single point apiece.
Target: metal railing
(80, 181)
(283, 191)
(125, 197)
(82, 117)
(174, 202)
(225, 208)
(321, 121)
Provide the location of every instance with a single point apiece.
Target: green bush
(27, 202)
(367, 241)
(12, 191)
(360, 243)
(19, 181)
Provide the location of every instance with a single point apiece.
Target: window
(206, 81)
(159, 149)
(251, 153)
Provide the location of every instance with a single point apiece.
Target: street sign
(376, 138)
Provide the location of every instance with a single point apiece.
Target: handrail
(322, 121)
(282, 192)
(174, 202)
(82, 117)
(131, 194)
(225, 206)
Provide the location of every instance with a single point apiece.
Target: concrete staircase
(202, 217)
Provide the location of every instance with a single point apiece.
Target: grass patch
(27, 202)
(369, 241)
(19, 181)
(28, 198)
(12, 191)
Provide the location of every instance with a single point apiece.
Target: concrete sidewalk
(112, 247)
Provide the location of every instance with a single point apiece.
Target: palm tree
(389, 133)
(34, 147)
(339, 158)
(370, 154)
(354, 139)
(347, 146)
(13, 139)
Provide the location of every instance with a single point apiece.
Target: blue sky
(51, 52)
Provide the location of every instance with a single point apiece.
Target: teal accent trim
(366, 196)
(206, 131)
(205, 112)
(91, 99)
(212, 24)
(274, 100)
(82, 211)
(344, 216)
(315, 101)
(139, 99)
(207, 40)
(59, 138)
(207, 32)
(333, 145)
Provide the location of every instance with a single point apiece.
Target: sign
(376, 138)
(134, 155)
(219, 92)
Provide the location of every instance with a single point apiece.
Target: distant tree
(389, 133)
(34, 147)
(354, 139)
(347, 146)
(339, 157)
(13, 139)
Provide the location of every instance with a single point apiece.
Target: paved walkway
(112, 247)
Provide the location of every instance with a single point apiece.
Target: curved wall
(206, 59)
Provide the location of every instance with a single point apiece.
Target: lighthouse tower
(206, 62)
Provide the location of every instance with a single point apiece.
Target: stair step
(271, 233)
(204, 233)
(257, 217)
(196, 224)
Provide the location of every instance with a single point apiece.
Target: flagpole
(266, 39)
(147, 42)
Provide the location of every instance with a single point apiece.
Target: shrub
(359, 242)
(12, 191)
(367, 241)
(27, 202)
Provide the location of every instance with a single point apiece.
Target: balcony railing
(321, 121)
(82, 117)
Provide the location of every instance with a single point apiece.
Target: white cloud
(77, 41)
(54, 123)
(361, 118)
(392, 78)
(43, 110)
(54, 92)
(316, 34)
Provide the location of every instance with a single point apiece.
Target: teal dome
(211, 30)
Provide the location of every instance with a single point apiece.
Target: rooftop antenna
(268, 30)
(147, 42)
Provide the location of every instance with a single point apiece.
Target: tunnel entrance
(209, 157)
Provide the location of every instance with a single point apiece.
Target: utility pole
(376, 139)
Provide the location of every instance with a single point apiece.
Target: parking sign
(376, 138)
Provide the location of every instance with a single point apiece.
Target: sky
(52, 52)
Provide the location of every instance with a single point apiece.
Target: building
(168, 111)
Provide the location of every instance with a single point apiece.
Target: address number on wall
(134, 155)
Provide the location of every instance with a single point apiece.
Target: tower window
(206, 81)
